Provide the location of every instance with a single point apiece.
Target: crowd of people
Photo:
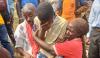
(50, 28)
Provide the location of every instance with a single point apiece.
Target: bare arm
(20, 50)
(18, 9)
(45, 46)
(23, 53)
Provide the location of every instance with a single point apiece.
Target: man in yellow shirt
(57, 30)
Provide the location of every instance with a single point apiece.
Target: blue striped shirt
(94, 17)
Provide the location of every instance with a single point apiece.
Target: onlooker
(94, 31)
(6, 27)
(7, 14)
(20, 4)
(25, 44)
(68, 9)
(4, 37)
(80, 3)
(10, 7)
(83, 12)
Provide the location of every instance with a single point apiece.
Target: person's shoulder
(21, 26)
(60, 20)
(36, 20)
(75, 41)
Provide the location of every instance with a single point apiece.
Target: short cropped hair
(45, 11)
(29, 7)
(80, 26)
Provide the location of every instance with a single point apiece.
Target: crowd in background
(50, 29)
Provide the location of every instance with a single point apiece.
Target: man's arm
(18, 10)
(23, 53)
(20, 51)
(41, 35)
(45, 46)
(20, 36)
(10, 5)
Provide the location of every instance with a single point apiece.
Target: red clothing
(34, 45)
(69, 49)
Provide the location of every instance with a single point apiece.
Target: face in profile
(70, 32)
(47, 25)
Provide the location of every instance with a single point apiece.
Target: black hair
(45, 12)
(80, 26)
